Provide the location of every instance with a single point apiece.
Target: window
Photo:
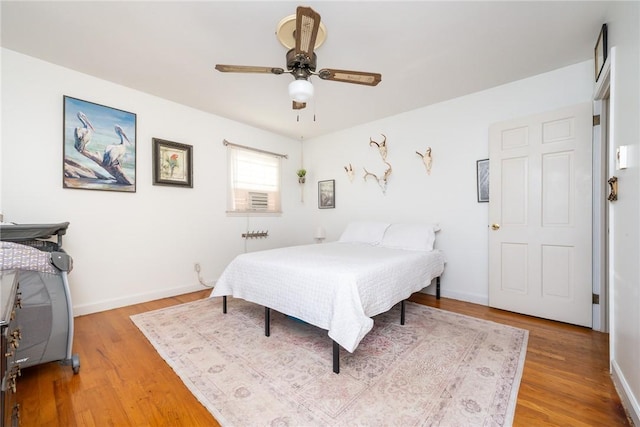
(254, 180)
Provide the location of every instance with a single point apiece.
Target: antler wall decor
(382, 148)
(349, 170)
(426, 159)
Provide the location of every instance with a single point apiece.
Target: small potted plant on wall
(301, 175)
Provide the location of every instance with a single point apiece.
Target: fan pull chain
(315, 104)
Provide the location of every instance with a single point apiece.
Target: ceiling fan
(301, 61)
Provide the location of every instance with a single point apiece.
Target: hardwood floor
(124, 382)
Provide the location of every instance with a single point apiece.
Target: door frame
(602, 161)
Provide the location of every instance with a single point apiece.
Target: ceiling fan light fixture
(300, 90)
(301, 34)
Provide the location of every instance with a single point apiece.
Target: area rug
(439, 369)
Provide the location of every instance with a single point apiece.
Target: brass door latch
(613, 184)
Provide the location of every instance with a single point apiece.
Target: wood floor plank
(123, 381)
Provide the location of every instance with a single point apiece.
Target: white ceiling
(426, 51)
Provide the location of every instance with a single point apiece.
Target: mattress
(335, 286)
(15, 256)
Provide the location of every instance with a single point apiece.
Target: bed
(338, 286)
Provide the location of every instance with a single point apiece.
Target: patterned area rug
(440, 368)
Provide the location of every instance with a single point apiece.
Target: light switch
(621, 157)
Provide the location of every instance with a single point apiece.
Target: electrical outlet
(196, 267)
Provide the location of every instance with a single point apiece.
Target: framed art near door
(482, 172)
(600, 51)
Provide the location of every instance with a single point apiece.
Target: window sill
(253, 213)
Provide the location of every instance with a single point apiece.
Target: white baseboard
(629, 401)
(80, 310)
(465, 296)
(460, 296)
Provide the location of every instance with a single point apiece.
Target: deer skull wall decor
(426, 159)
(382, 148)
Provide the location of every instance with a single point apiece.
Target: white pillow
(369, 232)
(412, 237)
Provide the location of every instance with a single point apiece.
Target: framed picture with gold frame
(172, 163)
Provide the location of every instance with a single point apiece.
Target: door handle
(495, 226)
(613, 185)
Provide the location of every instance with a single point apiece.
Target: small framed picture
(327, 194)
(172, 163)
(600, 51)
(482, 173)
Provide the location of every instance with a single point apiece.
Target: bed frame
(336, 346)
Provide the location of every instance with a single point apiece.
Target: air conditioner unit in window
(258, 201)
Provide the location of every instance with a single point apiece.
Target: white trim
(626, 395)
(609, 77)
(600, 159)
(81, 310)
(600, 218)
(253, 213)
(460, 296)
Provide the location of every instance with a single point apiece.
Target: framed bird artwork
(172, 163)
(99, 147)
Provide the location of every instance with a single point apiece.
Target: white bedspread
(335, 286)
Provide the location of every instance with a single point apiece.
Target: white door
(540, 215)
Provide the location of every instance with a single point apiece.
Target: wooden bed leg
(267, 322)
(224, 304)
(336, 357)
(438, 287)
(402, 309)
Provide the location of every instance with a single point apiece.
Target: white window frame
(254, 181)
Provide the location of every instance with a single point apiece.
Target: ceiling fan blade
(346, 76)
(248, 69)
(307, 25)
(298, 105)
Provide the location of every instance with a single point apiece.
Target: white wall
(457, 132)
(623, 28)
(132, 247)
